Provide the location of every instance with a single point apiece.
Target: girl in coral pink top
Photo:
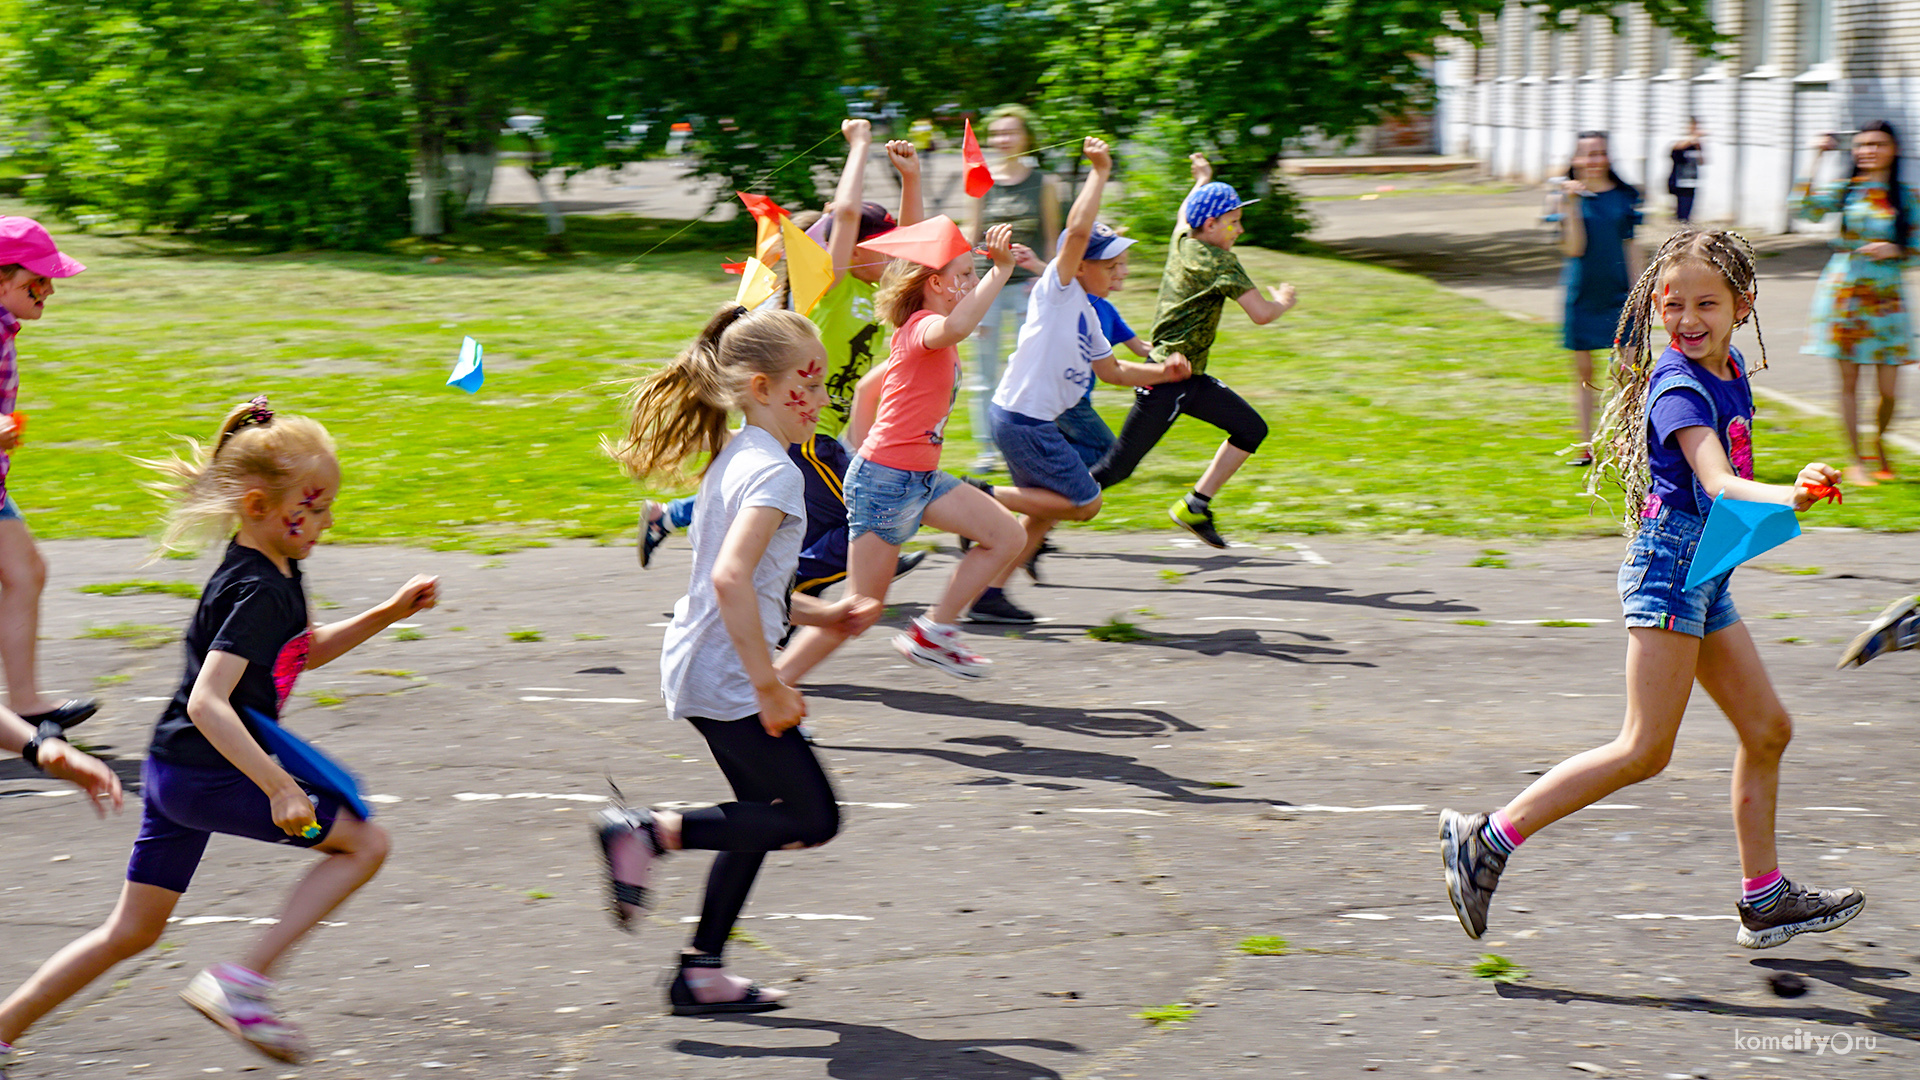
(895, 483)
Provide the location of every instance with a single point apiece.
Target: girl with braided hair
(1675, 435)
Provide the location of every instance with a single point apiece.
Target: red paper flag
(734, 268)
(979, 178)
(934, 242)
(766, 215)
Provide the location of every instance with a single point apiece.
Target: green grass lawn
(1396, 406)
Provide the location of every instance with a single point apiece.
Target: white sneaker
(939, 648)
(236, 999)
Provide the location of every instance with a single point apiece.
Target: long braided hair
(1619, 447)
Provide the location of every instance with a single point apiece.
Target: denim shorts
(1654, 575)
(10, 510)
(888, 502)
(185, 805)
(1086, 431)
(1038, 455)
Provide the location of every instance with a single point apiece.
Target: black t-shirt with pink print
(255, 612)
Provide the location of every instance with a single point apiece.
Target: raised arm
(1202, 171)
(847, 205)
(906, 162)
(951, 329)
(1086, 208)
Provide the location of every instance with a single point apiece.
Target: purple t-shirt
(9, 382)
(1726, 407)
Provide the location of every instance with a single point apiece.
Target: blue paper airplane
(304, 761)
(467, 372)
(1736, 531)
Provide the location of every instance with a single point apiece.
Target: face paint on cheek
(293, 524)
(811, 370)
(310, 496)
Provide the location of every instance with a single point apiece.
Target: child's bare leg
(1583, 393)
(870, 565)
(1660, 670)
(1039, 502)
(1888, 376)
(134, 927)
(1731, 671)
(354, 849)
(1226, 461)
(1036, 529)
(997, 541)
(1850, 407)
(23, 575)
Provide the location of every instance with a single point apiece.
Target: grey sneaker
(1882, 635)
(1473, 869)
(1801, 911)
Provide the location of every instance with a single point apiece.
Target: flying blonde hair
(252, 448)
(680, 411)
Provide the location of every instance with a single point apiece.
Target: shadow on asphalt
(1020, 759)
(1116, 723)
(128, 769)
(1247, 642)
(1899, 1018)
(871, 1052)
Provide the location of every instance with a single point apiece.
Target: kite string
(757, 183)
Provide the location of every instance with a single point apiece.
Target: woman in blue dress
(1859, 315)
(1598, 211)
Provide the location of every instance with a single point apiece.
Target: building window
(1756, 25)
(1816, 33)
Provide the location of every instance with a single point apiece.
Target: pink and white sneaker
(940, 648)
(237, 999)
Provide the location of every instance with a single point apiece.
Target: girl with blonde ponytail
(716, 666)
(266, 484)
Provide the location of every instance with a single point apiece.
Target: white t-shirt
(700, 672)
(1052, 366)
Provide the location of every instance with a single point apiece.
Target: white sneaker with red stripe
(939, 647)
(237, 999)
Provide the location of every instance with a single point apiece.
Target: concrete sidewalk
(1490, 245)
(1030, 862)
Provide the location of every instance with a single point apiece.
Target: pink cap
(25, 242)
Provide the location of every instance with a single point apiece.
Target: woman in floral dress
(1859, 314)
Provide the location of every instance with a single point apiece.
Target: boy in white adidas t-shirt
(1061, 351)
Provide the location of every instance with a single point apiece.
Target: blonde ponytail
(680, 411)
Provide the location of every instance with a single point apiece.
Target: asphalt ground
(1030, 862)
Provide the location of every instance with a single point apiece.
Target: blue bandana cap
(1212, 200)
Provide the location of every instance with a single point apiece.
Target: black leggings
(782, 797)
(1155, 408)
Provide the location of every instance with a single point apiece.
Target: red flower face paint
(811, 370)
(310, 495)
(293, 524)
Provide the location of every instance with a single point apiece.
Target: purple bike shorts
(184, 805)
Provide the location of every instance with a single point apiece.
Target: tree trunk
(555, 223)
(477, 169)
(429, 181)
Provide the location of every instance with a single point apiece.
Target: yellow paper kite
(756, 284)
(809, 267)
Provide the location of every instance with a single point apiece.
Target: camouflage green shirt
(1199, 280)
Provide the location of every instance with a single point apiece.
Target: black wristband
(49, 729)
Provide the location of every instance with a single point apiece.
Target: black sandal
(682, 1002)
(71, 713)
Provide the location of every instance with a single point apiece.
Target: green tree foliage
(305, 120)
(209, 115)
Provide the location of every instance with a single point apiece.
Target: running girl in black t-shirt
(269, 484)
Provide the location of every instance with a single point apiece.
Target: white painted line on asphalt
(202, 920)
(586, 700)
(1149, 703)
(806, 916)
(881, 805)
(1243, 618)
(1112, 810)
(144, 700)
(1682, 918)
(54, 794)
(1388, 808)
(383, 798)
(1307, 554)
(1614, 806)
(481, 796)
(554, 689)
(1842, 809)
(1537, 622)
(1368, 915)
(1438, 918)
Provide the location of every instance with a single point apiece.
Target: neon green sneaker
(1197, 522)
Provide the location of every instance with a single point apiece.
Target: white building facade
(1795, 69)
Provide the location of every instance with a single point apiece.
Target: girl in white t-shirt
(716, 666)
